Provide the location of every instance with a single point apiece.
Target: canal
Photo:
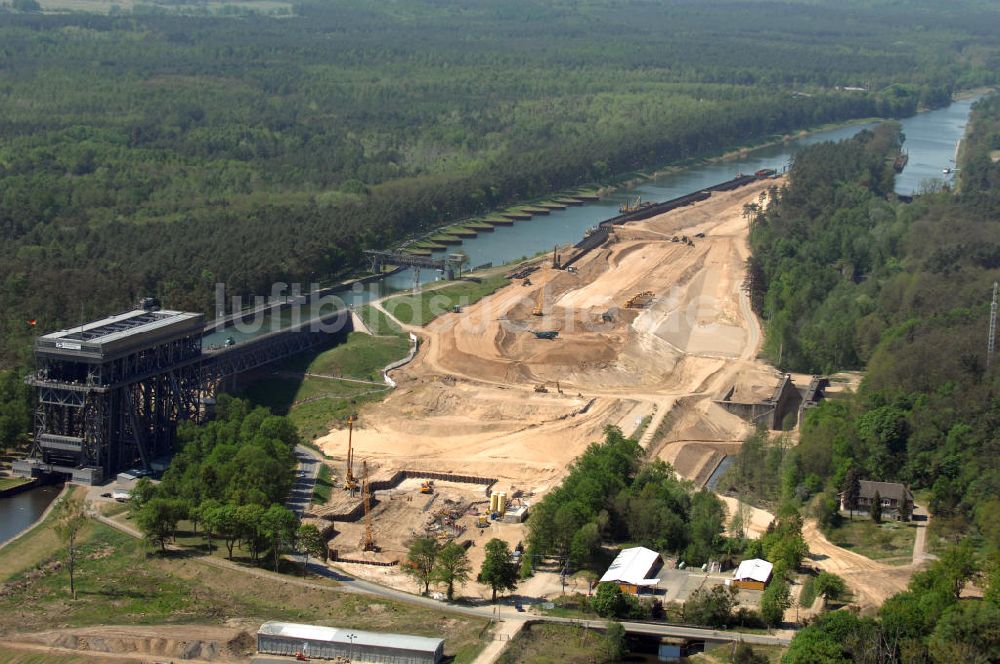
(930, 139)
(20, 511)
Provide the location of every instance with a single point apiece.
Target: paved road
(352, 584)
(305, 479)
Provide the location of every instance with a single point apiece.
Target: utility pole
(991, 342)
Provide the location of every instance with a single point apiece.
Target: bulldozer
(427, 487)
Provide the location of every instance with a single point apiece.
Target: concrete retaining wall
(600, 236)
(358, 511)
(773, 410)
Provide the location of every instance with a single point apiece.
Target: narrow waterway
(20, 511)
(931, 140)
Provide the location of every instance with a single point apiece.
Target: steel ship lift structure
(111, 392)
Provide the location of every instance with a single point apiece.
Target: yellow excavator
(537, 311)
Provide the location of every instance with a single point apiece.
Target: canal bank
(24, 510)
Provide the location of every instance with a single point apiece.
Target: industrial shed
(753, 574)
(633, 569)
(317, 642)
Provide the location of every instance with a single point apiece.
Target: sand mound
(180, 641)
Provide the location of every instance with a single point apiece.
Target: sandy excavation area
(485, 397)
(468, 402)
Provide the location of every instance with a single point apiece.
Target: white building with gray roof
(319, 642)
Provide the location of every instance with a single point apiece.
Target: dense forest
(848, 279)
(851, 280)
(610, 495)
(152, 152)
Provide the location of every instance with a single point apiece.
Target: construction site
(646, 328)
(644, 331)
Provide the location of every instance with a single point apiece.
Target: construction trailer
(353, 645)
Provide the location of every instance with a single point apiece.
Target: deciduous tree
(452, 567)
(829, 586)
(70, 517)
(278, 525)
(420, 559)
(311, 541)
(775, 600)
(498, 570)
(158, 518)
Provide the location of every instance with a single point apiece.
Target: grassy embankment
(540, 643)
(324, 485)
(890, 542)
(311, 388)
(424, 307)
(121, 582)
(11, 482)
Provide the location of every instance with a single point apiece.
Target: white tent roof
(754, 569)
(632, 566)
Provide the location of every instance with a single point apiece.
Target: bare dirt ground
(197, 643)
(468, 402)
(871, 582)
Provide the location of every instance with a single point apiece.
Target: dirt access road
(871, 581)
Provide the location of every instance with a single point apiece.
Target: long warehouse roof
(340, 635)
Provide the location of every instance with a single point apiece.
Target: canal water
(931, 140)
(20, 511)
